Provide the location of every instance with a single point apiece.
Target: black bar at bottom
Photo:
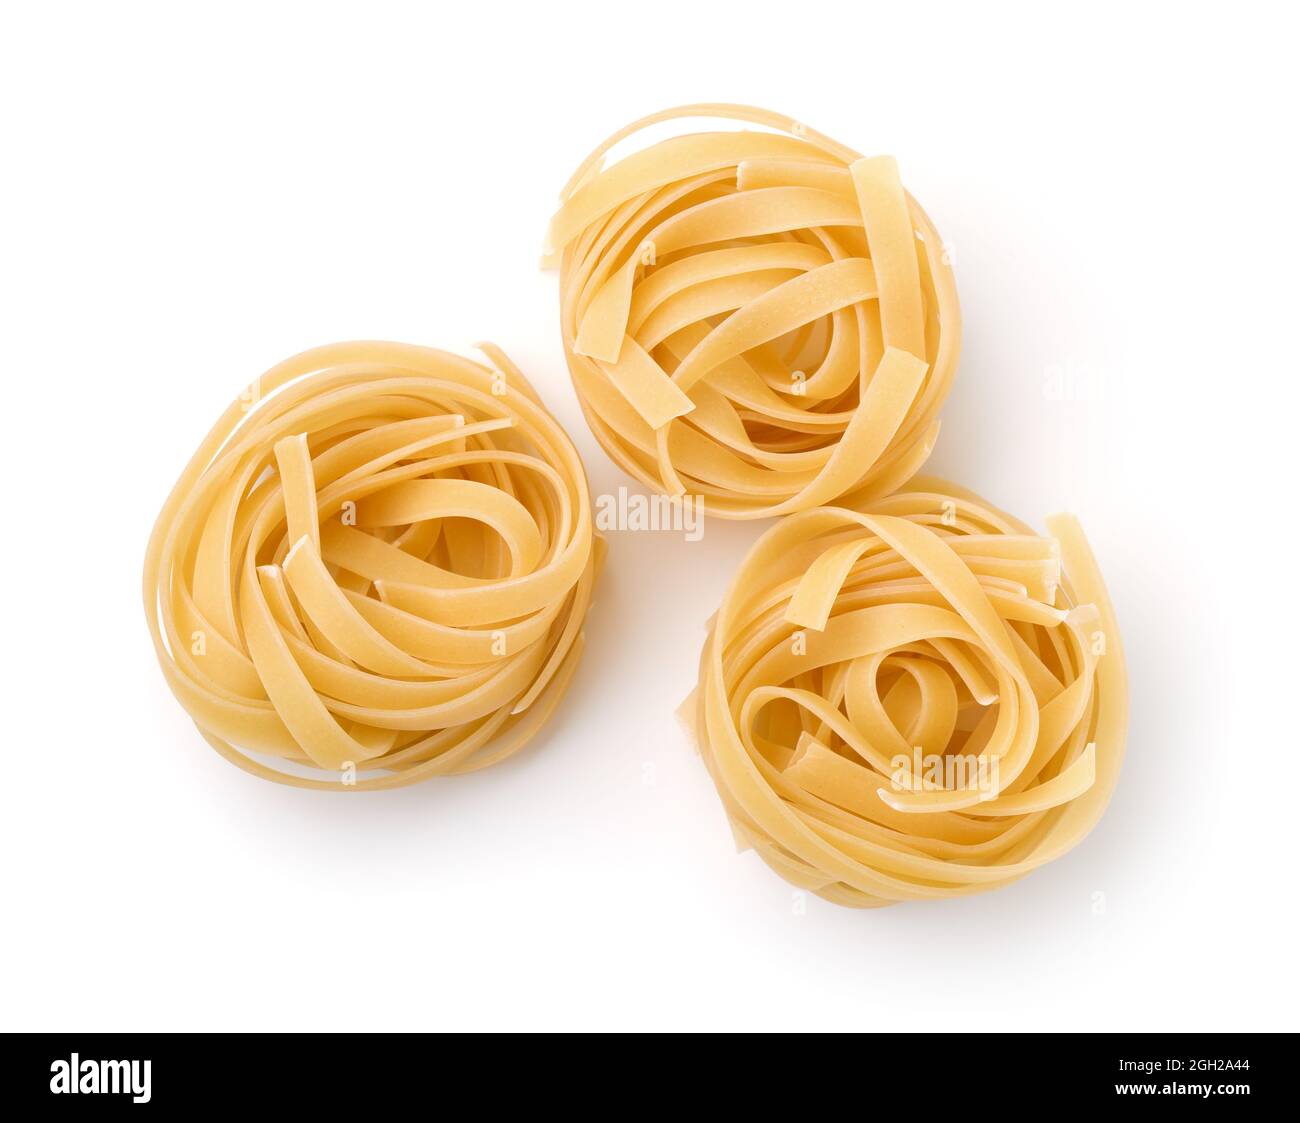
(212, 1071)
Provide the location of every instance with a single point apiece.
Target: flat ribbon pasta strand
(376, 565)
(764, 320)
(914, 699)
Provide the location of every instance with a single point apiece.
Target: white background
(191, 193)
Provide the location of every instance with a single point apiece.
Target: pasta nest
(763, 320)
(920, 699)
(377, 564)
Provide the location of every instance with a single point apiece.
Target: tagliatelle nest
(767, 321)
(920, 699)
(379, 562)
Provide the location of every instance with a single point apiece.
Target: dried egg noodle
(766, 321)
(378, 563)
(927, 628)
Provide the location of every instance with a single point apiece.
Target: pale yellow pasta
(766, 321)
(375, 568)
(921, 698)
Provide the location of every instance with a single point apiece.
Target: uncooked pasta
(919, 699)
(764, 320)
(375, 568)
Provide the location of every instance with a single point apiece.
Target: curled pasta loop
(377, 565)
(764, 320)
(919, 699)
